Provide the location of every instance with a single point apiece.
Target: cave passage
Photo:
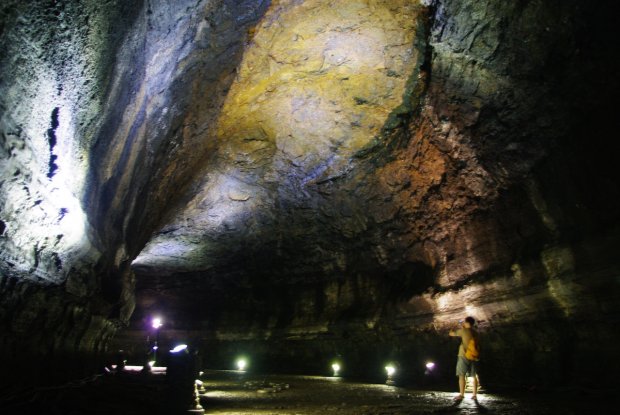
(302, 183)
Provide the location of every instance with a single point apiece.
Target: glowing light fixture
(152, 363)
(157, 323)
(430, 365)
(241, 364)
(179, 348)
(390, 369)
(336, 368)
(131, 368)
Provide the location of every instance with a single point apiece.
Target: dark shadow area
(412, 278)
(118, 389)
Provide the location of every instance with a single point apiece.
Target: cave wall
(104, 111)
(56, 65)
(488, 195)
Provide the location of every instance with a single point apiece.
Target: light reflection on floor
(229, 393)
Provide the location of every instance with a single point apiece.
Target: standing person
(467, 360)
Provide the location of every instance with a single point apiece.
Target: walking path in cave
(230, 393)
(237, 393)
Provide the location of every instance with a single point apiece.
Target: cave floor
(236, 393)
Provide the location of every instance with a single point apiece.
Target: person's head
(469, 322)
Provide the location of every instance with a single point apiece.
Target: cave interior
(297, 181)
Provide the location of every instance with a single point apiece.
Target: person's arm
(455, 333)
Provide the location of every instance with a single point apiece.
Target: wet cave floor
(236, 393)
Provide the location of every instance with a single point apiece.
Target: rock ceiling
(315, 87)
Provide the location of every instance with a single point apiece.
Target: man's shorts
(466, 367)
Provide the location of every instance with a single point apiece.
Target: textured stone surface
(103, 113)
(456, 211)
(314, 90)
(56, 65)
(307, 178)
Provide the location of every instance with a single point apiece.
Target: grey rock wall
(104, 108)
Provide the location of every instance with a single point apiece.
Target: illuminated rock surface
(300, 179)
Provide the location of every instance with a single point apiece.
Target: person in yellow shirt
(467, 360)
